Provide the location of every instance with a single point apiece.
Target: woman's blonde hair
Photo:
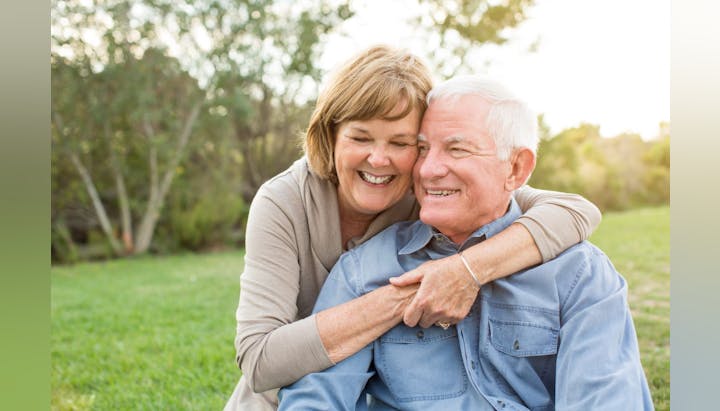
(369, 85)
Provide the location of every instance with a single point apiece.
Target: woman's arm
(556, 220)
(347, 328)
(273, 349)
(269, 342)
(552, 222)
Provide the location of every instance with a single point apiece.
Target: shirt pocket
(523, 344)
(419, 364)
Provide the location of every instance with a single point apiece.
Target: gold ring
(444, 324)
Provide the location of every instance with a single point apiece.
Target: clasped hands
(445, 295)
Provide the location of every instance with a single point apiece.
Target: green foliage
(63, 246)
(615, 173)
(123, 95)
(462, 25)
(202, 222)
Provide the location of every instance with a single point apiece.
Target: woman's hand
(446, 293)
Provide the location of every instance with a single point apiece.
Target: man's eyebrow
(421, 137)
(455, 139)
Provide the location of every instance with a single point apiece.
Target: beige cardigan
(292, 242)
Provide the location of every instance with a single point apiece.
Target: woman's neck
(352, 223)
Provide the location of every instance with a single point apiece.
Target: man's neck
(460, 238)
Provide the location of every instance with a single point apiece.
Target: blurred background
(168, 115)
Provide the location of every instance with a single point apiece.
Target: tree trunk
(97, 204)
(159, 191)
(124, 203)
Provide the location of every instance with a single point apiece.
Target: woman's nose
(378, 156)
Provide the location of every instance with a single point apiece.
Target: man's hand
(446, 293)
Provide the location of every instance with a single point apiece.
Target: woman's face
(374, 161)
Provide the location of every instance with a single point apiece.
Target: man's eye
(457, 151)
(422, 149)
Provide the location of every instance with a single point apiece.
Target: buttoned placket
(442, 246)
(471, 361)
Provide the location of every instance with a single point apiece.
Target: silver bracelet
(462, 257)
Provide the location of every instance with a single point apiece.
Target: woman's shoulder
(293, 188)
(286, 183)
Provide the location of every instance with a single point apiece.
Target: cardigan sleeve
(273, 347)
(556, 220)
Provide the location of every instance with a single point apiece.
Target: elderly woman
(353, 182)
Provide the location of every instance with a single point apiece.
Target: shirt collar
(421, 233)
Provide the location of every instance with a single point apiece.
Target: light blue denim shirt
(556, 336)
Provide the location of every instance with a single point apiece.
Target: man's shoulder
(583, 263)
(376, 260)
(581, 253)
(582, 258)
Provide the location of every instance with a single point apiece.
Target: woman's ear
(522, 164)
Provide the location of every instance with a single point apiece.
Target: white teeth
(441, 192)
(375, 180)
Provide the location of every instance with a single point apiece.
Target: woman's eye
(360, 139)
(399, 144)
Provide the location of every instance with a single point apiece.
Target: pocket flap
(400, 334)
(522, 339)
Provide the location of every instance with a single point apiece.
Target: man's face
(459, 180)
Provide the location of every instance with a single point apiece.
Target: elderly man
(556, 336)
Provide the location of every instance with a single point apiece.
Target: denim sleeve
(598, 363)
(339, 387)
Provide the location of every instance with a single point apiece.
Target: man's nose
(379, 156)
(432, 165)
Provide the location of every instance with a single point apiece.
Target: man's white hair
(510, 121)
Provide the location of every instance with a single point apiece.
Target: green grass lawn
(154, 333)
(157, 332)
(638, 243)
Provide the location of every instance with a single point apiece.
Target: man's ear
(522, 163)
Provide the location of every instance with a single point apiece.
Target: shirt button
(420, 334)
(472, 364)
(516, 345)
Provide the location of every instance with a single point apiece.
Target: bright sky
(605, 62)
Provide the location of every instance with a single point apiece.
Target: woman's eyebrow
(411, 135)
(358, 129)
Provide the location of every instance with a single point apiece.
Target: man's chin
(435, 218)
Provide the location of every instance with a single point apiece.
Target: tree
(146, 105)
(463, 25)
(120, 96)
